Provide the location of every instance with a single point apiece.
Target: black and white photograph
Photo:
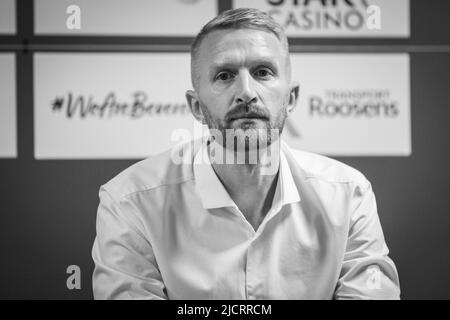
(236, 152)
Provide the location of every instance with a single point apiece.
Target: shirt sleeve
(125, 266)
(367, 271)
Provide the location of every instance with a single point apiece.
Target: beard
(246, 127)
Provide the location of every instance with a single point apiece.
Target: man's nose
(245, 92)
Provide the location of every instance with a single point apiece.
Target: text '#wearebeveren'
(139, 106)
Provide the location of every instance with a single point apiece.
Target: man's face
(243, 83)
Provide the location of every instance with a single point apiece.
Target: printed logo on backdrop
(351, 104)
(337, 18)
(138, 105)
(356, 104)
(350, 15)
(109, 105)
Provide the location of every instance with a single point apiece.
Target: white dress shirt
(171, 231)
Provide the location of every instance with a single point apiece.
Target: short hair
(242, 18)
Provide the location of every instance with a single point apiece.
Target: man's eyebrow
(220, 65)
(216, 66)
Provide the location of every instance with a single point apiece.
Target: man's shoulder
(317, 166)
(153, 172)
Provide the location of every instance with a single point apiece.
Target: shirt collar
(289, 190)
(213, 194)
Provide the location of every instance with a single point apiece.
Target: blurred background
(89, 87)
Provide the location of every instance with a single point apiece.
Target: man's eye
(224, 76)
(263, 73)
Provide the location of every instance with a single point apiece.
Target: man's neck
(249, 185)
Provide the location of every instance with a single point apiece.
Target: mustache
(245, 110)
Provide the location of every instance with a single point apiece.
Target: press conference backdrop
(88, 88)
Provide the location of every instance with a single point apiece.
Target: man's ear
(293, 96)
(194, 104)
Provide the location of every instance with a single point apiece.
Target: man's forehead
(224, 46)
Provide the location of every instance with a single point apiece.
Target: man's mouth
(248, 117)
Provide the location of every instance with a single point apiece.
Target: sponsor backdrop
(88, 88)
(8, 137)
(351, 104)
(130, 116)
(7, 17)
(367, 112)
(324, 18)
(118, 17)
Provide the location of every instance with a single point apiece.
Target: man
(214, 227)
